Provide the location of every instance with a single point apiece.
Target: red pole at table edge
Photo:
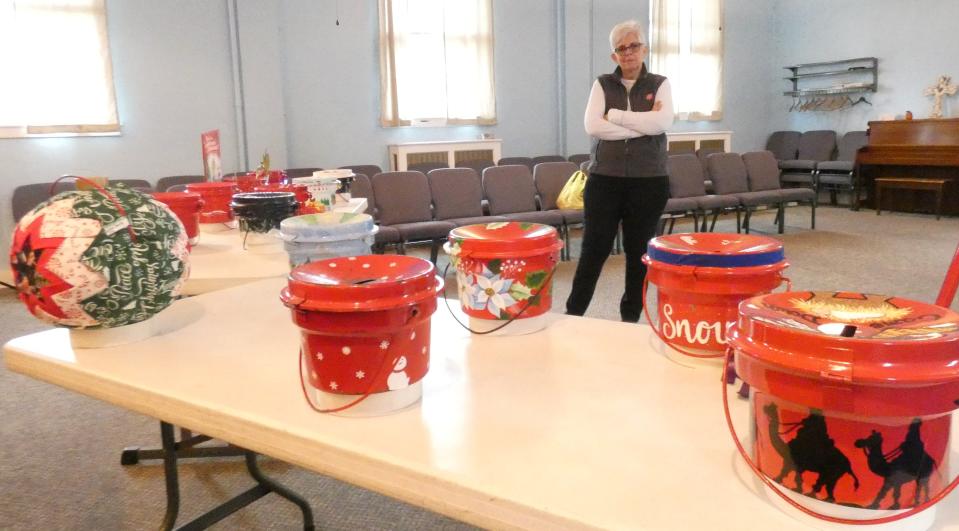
(948, 291)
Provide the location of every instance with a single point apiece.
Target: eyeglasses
(630, 48)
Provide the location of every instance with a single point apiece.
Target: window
(436, 62)
(686, 41)
(57, 76)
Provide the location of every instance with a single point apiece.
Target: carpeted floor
(60, 452)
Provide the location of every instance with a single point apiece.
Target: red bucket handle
(374, 382)
(546, 283)
(815, 514)
(681, 350)
(659, 332)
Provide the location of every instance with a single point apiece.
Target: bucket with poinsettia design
(365, 330)
(504, 272)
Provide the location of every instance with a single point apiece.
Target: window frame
(113, 128)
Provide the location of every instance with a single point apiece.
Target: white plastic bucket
(328, 235)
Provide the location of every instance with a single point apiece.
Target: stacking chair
(730, 178)
(362, 187)
(385, 235)
(476, 165)
(366, 169)
(547, 158)
(784, 144)
(300, 172)
(763, 174)
(702, 154)
(549, 179)
(814, 147)
(458, 197)
(164, 183)
(426, 167)
(512, 195)
(685, 173)
(579, 158)
(403, 203)
(839, 175)
(508, 161)
(27, 196)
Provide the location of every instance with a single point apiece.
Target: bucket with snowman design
(365, 330)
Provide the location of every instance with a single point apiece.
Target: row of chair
(812, 159)
(742, 183)
(413, 207)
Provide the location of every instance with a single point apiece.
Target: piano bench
(906, 183)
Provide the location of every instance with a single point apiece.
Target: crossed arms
(620, 125)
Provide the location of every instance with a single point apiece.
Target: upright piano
(924, 149)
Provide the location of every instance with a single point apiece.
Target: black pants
(635, 202)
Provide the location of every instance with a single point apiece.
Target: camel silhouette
(910, 462)
(811, 449)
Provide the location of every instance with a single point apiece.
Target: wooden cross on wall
(943, 87)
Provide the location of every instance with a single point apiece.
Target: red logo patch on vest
(649, 97)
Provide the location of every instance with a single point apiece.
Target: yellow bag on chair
(571, 196)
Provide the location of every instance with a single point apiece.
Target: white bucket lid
(327, 227)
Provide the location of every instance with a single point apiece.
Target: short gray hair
(622, 29)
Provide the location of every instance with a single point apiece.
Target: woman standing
(627, 115)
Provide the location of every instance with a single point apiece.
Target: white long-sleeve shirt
(619, 124)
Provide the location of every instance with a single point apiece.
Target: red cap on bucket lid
(848, 340)
(715, 249)
(361, 283)
(505, 239)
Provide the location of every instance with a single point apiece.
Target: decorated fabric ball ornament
(99, 258)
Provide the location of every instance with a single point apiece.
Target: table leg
(264, 486)
(185, 448)
(170, 475)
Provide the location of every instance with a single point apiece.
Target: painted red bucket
(186, 206)
(698, 281)
(365, 323)
(216, 200)
(852, 396)
(504, 271)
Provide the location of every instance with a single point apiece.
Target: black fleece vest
(644, 156)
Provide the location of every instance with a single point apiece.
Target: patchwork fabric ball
(89, 259)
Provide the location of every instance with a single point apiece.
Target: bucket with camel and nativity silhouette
(851, 400)
(695, 282)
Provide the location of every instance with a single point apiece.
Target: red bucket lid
(361, 283)
(178, 198)
(892, 341)
(715, 249)
(505, 239)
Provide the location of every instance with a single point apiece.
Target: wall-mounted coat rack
(838, 82)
